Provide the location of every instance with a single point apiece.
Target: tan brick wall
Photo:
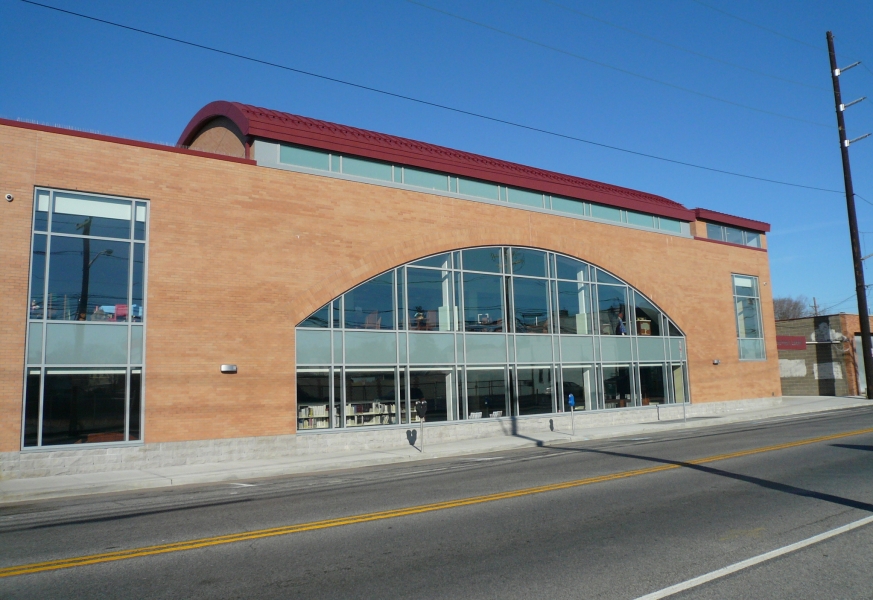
(240, 254)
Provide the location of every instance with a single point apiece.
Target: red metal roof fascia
(284, 127)
(722, 219)
(118, 140)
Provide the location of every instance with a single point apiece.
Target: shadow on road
(853, 447)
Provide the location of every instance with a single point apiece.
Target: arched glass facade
(483, 333)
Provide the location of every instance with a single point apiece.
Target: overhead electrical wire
(428, 103)
(684, 49)
(618, 69)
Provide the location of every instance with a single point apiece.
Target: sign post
(421, 410)
(571, 400)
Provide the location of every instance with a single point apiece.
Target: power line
(618, 69)
(433, 104)
(684, 49)
(753, 24)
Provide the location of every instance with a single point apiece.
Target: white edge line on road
(691, 583)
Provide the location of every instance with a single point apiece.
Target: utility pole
(814, 307)
(860, 288)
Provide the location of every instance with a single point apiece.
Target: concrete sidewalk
(36, 488)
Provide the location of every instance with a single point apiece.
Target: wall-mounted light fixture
(228, 369)
(716, 361)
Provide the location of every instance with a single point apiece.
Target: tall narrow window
(747, 303)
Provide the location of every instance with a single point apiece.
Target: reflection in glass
(572, 269)
(617, 387)
(31, 408)
(429, 292)
(37, 277)
(486, 393)
(648, 318)
(370, 398)
(320, 318)
(436, 387)
(604, 277)
(652, 384)
(139, 222)
(578, 381)
(573, 307)
(371, 305)
(90, 215)
(482, 259)
(40, 215)
(440, 261)
(135, 404)
(732, 235)
(748, 322)
(612, 308)
(88, 279)
(83, 406)
(313, 399)
(528, 262)
(531, 305)
(679, 384)
(137, 293)
(534, 390)
(483, 302)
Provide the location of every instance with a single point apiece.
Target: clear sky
(608, 72)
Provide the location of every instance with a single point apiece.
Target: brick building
(274, 274)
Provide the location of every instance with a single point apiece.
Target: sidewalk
(37, 488)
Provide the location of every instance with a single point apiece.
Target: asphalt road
(641, 514)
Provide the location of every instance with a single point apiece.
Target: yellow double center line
(92, 559)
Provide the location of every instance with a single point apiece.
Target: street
(617, 518)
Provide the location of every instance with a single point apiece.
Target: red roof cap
(722, 219)
(284, 127)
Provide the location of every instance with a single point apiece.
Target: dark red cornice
(124, 141)
(712, 216)
(284, 127)
(703, 239)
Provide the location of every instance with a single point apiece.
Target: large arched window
(485, 333)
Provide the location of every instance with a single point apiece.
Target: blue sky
(63, 70)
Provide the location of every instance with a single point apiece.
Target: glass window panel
(652, 385)
(612, 309)
(577, 349)
(365, 347)
(679, 395)
(482, 259)
(752, 349)
(734, 236)
(605, 212)
(617, 387)
(320, 318)
(746, 286)
(672, 330)
(486, 393)
(483, 348)
(401, 299)
(135, 411)
(526, 198)
(615, 349)
(83, 406)
(440, 261)
(651, 348)
(648, 318)
(398, 174)
(483, 302)
(533, 348)
(137, 292)
(480, 189)
(304, 157)
(641, 219)
(604, 277)
(313, 399)
(572, 269)
(574, 307)
(31, 408)
(370, 398)
(40, 213)
(578, 381)
(753, 239)
(531, 305)
(748, 318)
(337, 312)
(677, 349)
(431, 348)
(362, 167)
(576, 207)
(37, 277)
(371, 305)
(670, 224)
(337, 347)
(714, 232)
(535, 390)
(88, 279)
(336, 162)
(313, 347)
(529, 262)
(436, 387)
(425, 179)
(139, 222)
(34, 343)
(430, 299)
(136, 345)
(90, 215)
(85, 344)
